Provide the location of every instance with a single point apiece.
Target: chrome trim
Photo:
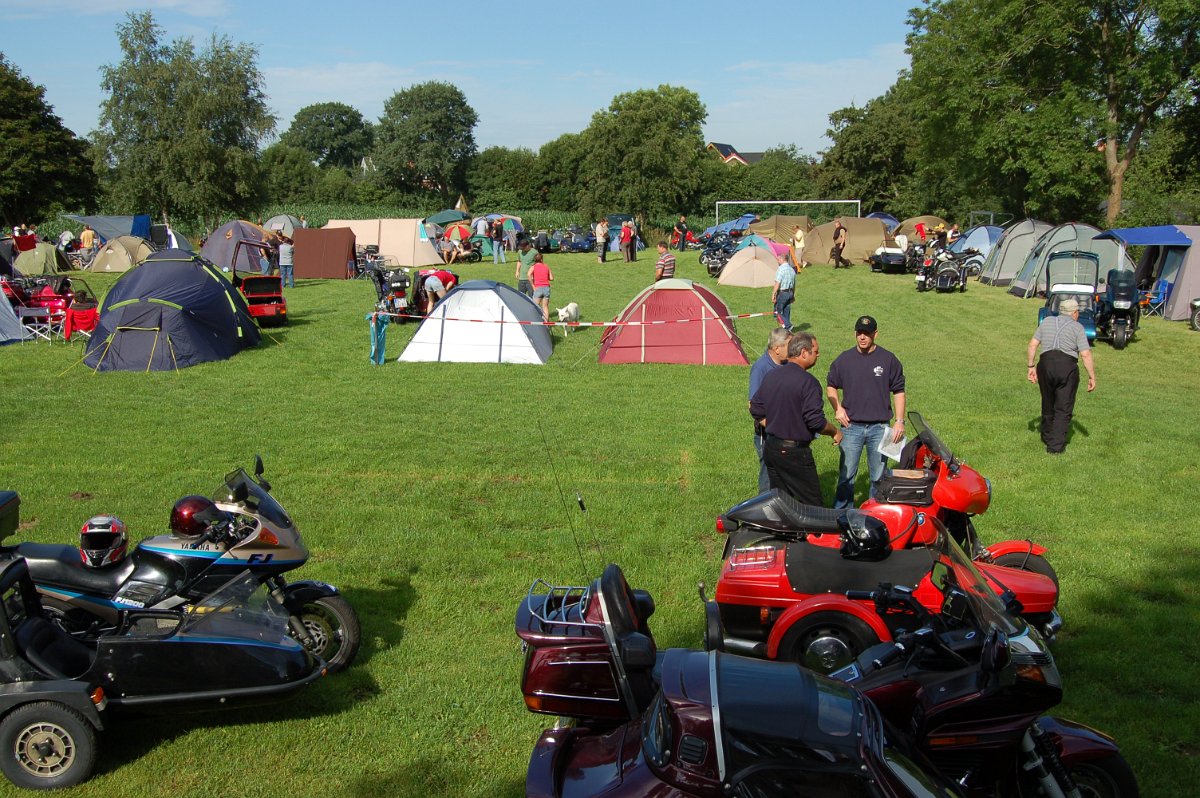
(715, 707)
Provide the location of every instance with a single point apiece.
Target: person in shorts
(435, 289)
(525, 260)
(541, 277)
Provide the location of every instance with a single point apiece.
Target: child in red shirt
(541, 277)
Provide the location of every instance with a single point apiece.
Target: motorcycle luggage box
(10, 512)
(906, 486)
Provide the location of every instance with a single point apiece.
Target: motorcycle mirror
(995, 653)
(240, 494)
(258, 465)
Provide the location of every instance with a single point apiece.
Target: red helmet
(193, 515)
(102, 541)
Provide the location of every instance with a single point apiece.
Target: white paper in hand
(891, 450)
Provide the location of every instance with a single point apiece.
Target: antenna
(566, 508)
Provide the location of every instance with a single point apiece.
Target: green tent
(446, 217)
(485, 245)
(42, 259)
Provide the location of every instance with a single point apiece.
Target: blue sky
(531, 70)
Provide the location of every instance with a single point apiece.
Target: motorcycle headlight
(1123, 304)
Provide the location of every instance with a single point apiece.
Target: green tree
(426, 138)
(1020, 92)
(500, 177)
(643, 154)
(289, 175)
(179, 128)
(335, 134)
(558, 166)
(42, 163)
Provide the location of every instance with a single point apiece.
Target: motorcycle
(786, 599)
(230, 648)
(951, 270)
(717, 253)
(171, 573)
(1118, 310)
(637, 722)
(968, 686)
(925, 272)
(931, 483)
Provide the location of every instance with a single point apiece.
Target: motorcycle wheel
(826, 641)
(1035, 563)
(333, 628)
(46, 746)
(1120, 336)
(1110, 777)
(1196, 319)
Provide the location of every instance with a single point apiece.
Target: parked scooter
(968, 686)
(241, 528)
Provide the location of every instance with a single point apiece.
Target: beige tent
(751, 267)
(781, 228)
(864, 237)
(909, 226)
(121, 254)
(403, 242)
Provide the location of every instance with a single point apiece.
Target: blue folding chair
(1154, 301)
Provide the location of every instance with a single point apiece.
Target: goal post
(717, 210)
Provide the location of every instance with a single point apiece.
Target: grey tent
(241, 240)
(283, 223)
(1171, 255)
(1066, 237)
(1009, 254)
(11, 329)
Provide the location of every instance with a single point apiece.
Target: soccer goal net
(818, 210)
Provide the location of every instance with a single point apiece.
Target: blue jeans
(854, 438)
(783, 305)
(498, 252)
(287, 276)
(764, 482)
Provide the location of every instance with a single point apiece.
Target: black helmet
(102, 541)
(864, 537)
(193, 515)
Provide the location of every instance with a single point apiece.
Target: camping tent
(403, 241)
(110, 227)
(754, 240)
(173, 311)
(864, 237)
(981, 237)
(752, 267)
(446, 217)
(889, 221)
(441, 337)
(1010, 251)
(283, 223)
(707, 337)
(324, 253)
(11, 329)
(741, 223)
(1170, 255)
(781, 228)
(237, 239)
(909, 226)
(120, 254)
(44, 258)
(1066, 237)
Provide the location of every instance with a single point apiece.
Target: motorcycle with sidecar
(1117, 309)
(1072, 274)
(230, 648)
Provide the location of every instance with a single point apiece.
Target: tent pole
(500, 348)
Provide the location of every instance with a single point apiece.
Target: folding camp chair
(39, 321)
(1154, 301)
(81, 320)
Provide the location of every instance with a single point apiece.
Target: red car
(264, 298)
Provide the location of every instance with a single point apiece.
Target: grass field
(433, 494)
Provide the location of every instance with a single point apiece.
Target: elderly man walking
(1064, 343)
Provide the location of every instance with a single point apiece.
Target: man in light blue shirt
(773, 358)
(784, 293)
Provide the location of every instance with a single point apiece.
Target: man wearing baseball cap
(871, 380)
(1056, 373)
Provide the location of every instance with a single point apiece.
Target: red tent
(324, 252)
(706, 337)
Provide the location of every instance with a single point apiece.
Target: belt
(788, 442)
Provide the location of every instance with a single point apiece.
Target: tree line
(1064, 111)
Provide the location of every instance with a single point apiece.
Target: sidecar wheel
(826, 641)
(1028, 562)
(334, 631)
(46, 746)
(1110, 777)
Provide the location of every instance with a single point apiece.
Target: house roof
(729, 154)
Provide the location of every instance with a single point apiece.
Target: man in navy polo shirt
(774, 357)
(788, 406)
(871, 380)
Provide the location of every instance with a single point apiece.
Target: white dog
(568, 314)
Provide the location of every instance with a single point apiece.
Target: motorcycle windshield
(931, 439)
(965, 576)
(239, 488)
(241, 609)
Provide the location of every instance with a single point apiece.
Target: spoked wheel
(46, 746)
(1028, 562)
(826, 641)
(1110, 777)
(1196, 319)
(333, 631)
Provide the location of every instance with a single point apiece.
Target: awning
(1167, 235)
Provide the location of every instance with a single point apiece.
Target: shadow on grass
(1035, 425)
(432, 775)
(382, 612)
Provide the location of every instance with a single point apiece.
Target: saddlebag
(10, 513)
(907, 486)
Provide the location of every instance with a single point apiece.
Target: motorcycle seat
(813, 570)
(777, 510)
(61, 565)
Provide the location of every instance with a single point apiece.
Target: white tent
(752, 267)
(461, 328)
(403, 241)
(11, 329)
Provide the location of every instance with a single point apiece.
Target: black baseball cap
(865, 324)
